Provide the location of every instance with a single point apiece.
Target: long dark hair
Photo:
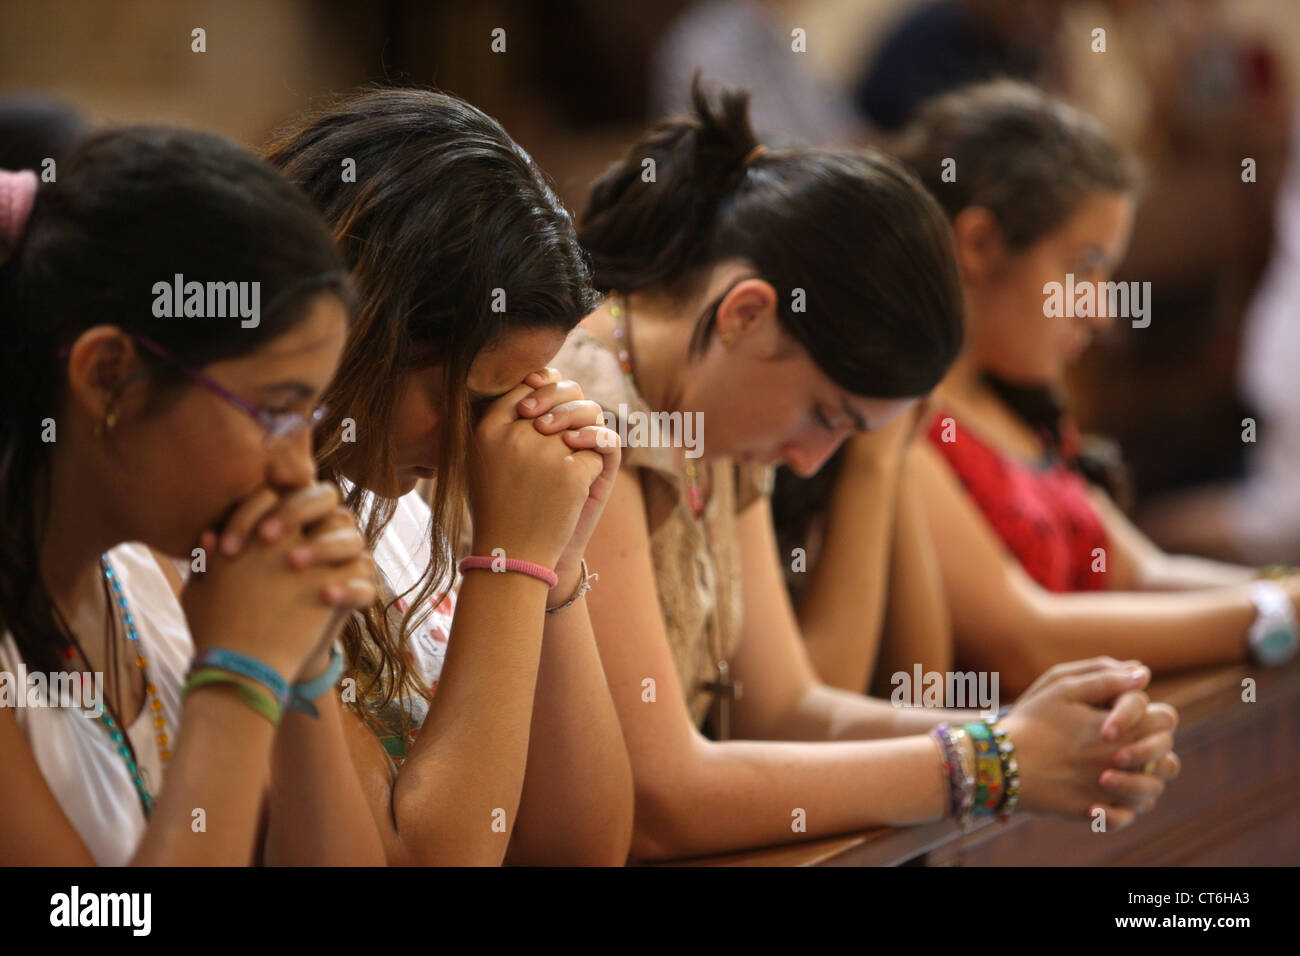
(859, 253)
(445, 217)
(132, 207)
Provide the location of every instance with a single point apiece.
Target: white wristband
(1273, 634)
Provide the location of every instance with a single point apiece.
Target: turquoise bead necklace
(116, 732)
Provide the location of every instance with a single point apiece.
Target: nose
(291, 464)
(807, 456)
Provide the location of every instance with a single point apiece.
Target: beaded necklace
(694, 487)
(724, 688)
(117, 733)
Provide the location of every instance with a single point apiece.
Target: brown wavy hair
(445, 209)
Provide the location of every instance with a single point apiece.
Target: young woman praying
(118, 425)
(483, 730)
(733, 294)
(1035, 562)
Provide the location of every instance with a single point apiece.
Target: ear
(102, 361)
(978, 241)
(742, 309)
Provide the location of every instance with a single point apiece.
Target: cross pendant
(726, 690)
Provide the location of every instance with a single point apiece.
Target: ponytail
(859, 254)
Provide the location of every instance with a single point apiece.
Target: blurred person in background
(1257, 520)
(748, 43)
(1021, 513)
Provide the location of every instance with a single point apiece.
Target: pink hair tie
(17, 194)
(478, 562)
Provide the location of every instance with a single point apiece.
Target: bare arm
(457, 796)
(315, 800)
(783, 699)
(1004, 621)
(694, 796)
(318, 814)
(843, 606)
(577, 799)
(873, 559)
(1138, 565)
(918, 628)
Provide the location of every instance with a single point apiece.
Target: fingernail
(230, 543)
(574, 434)
(271, 528)
(1137, 673)
(300, 555)
(547, 418)
(528, 404)
(1124, 756)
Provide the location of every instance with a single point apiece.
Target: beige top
(696, 561)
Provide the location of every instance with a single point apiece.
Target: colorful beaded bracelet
(988, 769)
(1010, 768)
(957, 771)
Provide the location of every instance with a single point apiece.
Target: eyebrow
(858, 422)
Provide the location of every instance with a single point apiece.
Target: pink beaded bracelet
(479, 562)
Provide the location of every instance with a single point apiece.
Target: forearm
(1167, 632)
(1181, 572)
(744, 794)
(318, 813)
(829, 713)
(457, 795)
(843, 606)
(917, 629)
(209, 811)
(577, 799)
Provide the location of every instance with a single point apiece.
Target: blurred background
(1191, 86)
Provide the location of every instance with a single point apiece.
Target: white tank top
(79, 761)
(402, 554)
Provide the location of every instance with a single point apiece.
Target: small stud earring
(107, 423)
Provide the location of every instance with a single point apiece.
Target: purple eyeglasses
(279, 426)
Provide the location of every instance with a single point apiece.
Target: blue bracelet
(246, 666)
(301, 696)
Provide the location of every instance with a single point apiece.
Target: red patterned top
(1042, 514)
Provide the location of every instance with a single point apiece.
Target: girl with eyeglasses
(147, 724)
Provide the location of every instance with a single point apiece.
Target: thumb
(1101, 687)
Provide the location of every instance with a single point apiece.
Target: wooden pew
(1237, 802)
